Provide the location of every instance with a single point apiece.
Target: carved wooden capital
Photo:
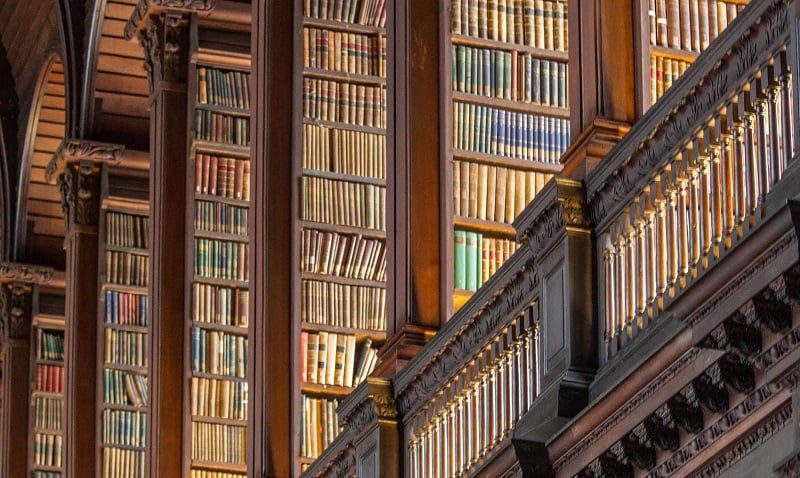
(164, 39)
(147, 8)
(71, 150)
(559, 205)
(373, 400)
(15, 271)
(79, 185)
(15, 307)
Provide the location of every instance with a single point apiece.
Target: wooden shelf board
(130, 408)
(125, 367)
(347, 126)
(343, 177)
(329, 390)
(344, 76)
(343, 26)
(135, 289)
(515, 163)
(532, 108)
(361, 334)
(132, 250)
(48, 431)
(123, 447)
(322, 226)
(217, 376)
(342, 280)
(209, 147)
(219, 466)
(219, 421)
(223, 109)
(43, 394)
(460, 297)
(214, 198)
(127, 327)
(484, 226)
(57, 363)
(231, 329)
(223, 282)
(498, 45)
(674, 53)
(224, 236)
(46, 467)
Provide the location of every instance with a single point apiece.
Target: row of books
(218, 353)
(341, 305)
(223, 88)
(48, 413)
(46, 474)
(222, 128)
(127, 230)
(343, 202)
(220, 259)
(125, 268)
(47, 449)
(126, 308)
(484, 129)
(215, 216)
(200, 473)
(536, 23)
(493, 193)
(220, 305)
(122, 347)
(362, 12)
(218, 398)
(663, 72)
(509, 75)
(218, 443)
(476, 258)
(121, 387)
(351, 103)
(689, 24)
(49, 378)
(124, 427)
(120, 463)
(344, 151)
(347, 52)
(344, 255)
(335, 359)
(51, 345)
(320, 425)
(223, 177)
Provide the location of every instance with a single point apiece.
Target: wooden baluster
(703, 197)
(452, 461)
(785, 80)
(740, 164)
(460, 425)
(630, 272)
(532, 352)
(519, 368)
(652, 255)
(726, 161)
(669, 189)
(429, 456)
(412, 456)
(773, 97)
(751, 161)
(510, 390)
(661, 239)
(682, 195)
(641, 263)
(693, 205)
(621, 285)
(488, 406)
(715, 186)
(762, 139)
(608, 284)
(503, 391)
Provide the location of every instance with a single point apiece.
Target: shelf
(125, 367)
(218, 466)
(484, 226)
(131, 250)
(47, 467)
(498, 45)
(58, 363)
(343, 26)
(231, 329)
(322, 226)
(214, 198)
(329, 390)
(342, 280)
(361, 334)
(224, 236)
(48, 431)
(130, 408)
(344, 76)
(516, 163)
(126, 327)
(223, 109)
(343, 177)
(347, 126)
(460, 297)
(43, 394)
(674, 53)
(223, 282)
(123, 447)
(520, 106)
(220, 421)
(134, 289)
(215, 376)
(241, 152)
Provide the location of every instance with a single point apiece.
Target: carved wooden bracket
(371, 401)
(146, 8)
(164, 39)
(15, 307)
(71, 150)
(15, 271)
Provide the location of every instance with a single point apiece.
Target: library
(399, 238)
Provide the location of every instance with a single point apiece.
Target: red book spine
(303, 355)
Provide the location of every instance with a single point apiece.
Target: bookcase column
(17, 292)
(77, 167)
(602, 80)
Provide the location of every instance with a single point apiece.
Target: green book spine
(478, 259)
(459, 262)
(507, 74)
(471, 261)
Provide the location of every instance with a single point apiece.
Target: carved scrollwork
(81, 150)
(163, 39)
(567, 208)
(79, 185)
(14, 271)
(19, 320)
(145, 8)
(377, 403)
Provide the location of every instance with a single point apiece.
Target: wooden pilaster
(77, 165)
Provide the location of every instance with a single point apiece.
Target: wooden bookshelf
(124, 329)
(218, 245)
(46, 417)
(663, 54)
(506, 124)
(317, 158)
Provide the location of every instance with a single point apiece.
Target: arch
(39, 226)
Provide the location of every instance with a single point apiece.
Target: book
(478, 257)
(689, 24)
(343, 305)
(343, 202)
(355, 153)
(223, 88)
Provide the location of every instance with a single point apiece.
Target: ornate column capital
(371, 401)
(72, 150)
(146, 8)
(19, 272)
(15, 310)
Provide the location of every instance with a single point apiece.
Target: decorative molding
(343, 465)
(145, 8)
(163, 39)
(16, 271)
(71, 150)
(18, 311)
(79, 185)
(467, 339)
(652, 142)
(370, 402)
(789, 468)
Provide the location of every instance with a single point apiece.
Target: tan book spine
(483, 178)
(511, 196)
(500, 205)
(456, 189)
(491, 193)
(673, 23)
(473, 190)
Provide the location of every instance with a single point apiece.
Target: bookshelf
(672, 34)
(217, 379)
(124, 329)
(507, 120)
(339, 238)
(46, 440)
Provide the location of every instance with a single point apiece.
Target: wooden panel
(55, 89)
(118, 11)
(46, 226)
(45, 144)
(36, 175)
(113, 28)
(46, 128)
(121, 84)
(124, 66)
(125, 127)
(119, 46)
(51, 101)
(124, 105)
(49, 114)
(47, 192)
(38, 207)
(41, 159)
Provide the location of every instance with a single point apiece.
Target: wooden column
(602, 81)
(77, 165)
(270, 232)
(416, 207)
(17, 292)
(164, 35)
